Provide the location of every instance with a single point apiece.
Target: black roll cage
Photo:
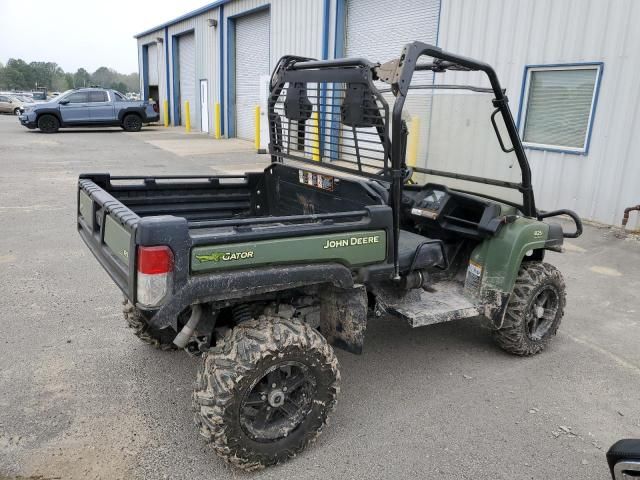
(398, 73)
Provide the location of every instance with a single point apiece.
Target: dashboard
(435, 206)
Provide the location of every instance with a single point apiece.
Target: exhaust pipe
(185, 334)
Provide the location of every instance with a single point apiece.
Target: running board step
(418, 307)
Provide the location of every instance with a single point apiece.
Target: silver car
(10, 104)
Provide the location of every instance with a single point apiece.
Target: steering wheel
(407, 174)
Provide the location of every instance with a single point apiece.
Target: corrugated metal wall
(296, 29)
(510, 34)
(296, 26)
(151, 39)
(206, 63)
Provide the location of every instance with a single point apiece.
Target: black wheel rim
(278, 402)
(132, 123)
(46, 123)
(542, 312)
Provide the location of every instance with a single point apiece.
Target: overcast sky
(80, 33)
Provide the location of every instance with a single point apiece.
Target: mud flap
(495, 308)
(343, 317)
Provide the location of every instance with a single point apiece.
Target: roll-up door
(373, 32)
(152, 64)
(251, 61)
(187, 64)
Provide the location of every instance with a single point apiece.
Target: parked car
(89, 107)
(10, 104)
(24, 98)
(39, 95)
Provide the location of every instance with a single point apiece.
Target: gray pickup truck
(89, 107)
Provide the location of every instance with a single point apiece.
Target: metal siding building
(511, 34)
(508, 34)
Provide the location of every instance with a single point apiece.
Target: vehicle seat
(416, 252)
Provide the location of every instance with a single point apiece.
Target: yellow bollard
(413, 142)
(165, 113)
(256, 113)
(187, 120)
(315, 137)
(216, 120)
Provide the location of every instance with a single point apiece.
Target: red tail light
(155, 107)
(155, 260)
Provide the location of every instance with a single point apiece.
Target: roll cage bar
(297, 72)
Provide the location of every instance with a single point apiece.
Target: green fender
(494, 264)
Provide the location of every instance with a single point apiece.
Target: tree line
(20, 75)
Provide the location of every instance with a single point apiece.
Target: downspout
(625, 218)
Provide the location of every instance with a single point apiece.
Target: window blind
(558, 106)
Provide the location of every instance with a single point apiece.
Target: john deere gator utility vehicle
(382, 198)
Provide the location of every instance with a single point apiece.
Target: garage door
(152, 64)
(252, 61)
(187, 65)
(376, 33)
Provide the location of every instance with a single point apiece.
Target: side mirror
(63, 102)
(624, 459)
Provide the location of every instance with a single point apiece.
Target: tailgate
(108, 229)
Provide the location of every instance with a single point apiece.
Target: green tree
(120, 86)
(81, 78)
(18, 74)
(104, 77)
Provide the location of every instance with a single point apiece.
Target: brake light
(155, 266)
(155, 107)
(154, 260)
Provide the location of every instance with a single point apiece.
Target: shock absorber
(241, 313)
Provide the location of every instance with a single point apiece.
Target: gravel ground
(81, 398)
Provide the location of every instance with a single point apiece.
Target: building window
(559, 105)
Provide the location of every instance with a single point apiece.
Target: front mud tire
(160, 339)
(236, 376)
(535, 310)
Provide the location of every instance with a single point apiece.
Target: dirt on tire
(162, 340)
(532, 277)
(226, 375)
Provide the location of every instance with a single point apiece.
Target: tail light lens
(155, 268)
(155, 107)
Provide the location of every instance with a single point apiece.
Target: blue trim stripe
(231, 69)
(186, 16)
(325, 30)
(221, 68)
(339, 27)
(175, 61)
(338, 52)
(323, 86)
(145, 72)
(166, 64)
(592, 113)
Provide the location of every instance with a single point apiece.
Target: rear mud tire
(232, 377)
(539, 288)
(160, 339)
(48, 124)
